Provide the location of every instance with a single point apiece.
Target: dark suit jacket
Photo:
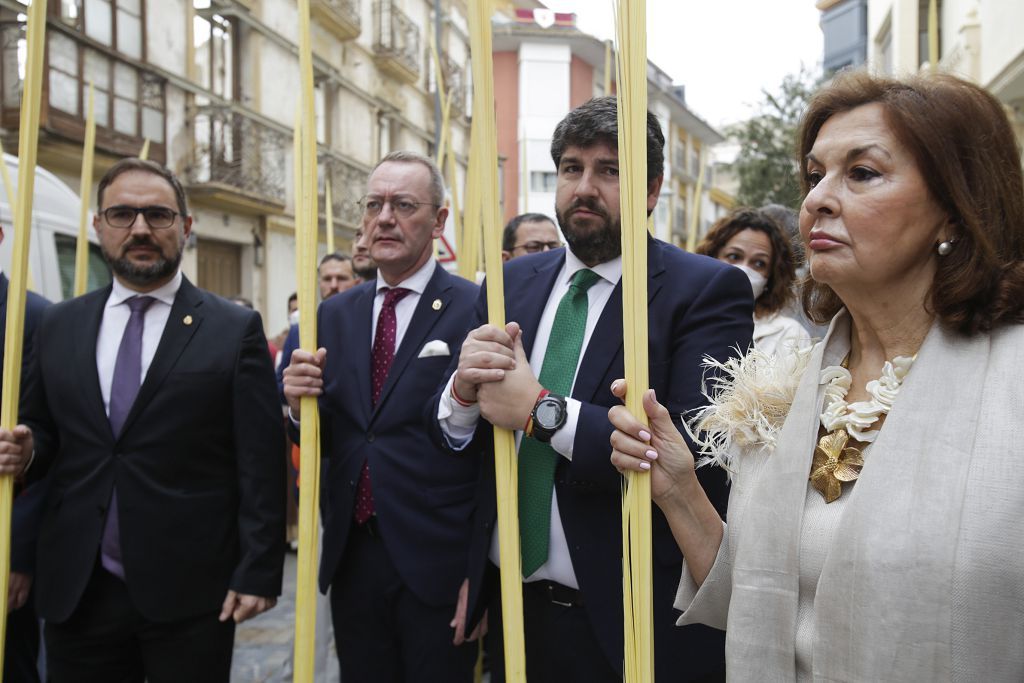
(198, 467)
(291, 342)
(697, 306)
(423, 497)
(25, 512)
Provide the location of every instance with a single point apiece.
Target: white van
(51, 255)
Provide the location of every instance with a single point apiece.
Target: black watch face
(547, 413)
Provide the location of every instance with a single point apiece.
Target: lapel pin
(436, 305)
(187, 320)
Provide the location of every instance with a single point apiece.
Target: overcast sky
(723, 51)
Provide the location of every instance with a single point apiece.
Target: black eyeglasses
(400, 206)
(534, 247)
(157, 217)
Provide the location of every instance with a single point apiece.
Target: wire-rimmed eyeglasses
(403, 207)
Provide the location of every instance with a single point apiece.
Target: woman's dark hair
(781, 272)
(961, 139)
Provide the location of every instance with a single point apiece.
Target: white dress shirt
(416, 283)
(115, 319)
(459, 422)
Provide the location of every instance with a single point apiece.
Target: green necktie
(537, 461)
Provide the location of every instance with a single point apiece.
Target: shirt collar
(610, 271)
(417, 282)
(165, 293)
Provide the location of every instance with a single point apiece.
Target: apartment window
(215, 44)
(64, 90)
(323, 97)
(118, 24)
(125, 99)
(543, 181)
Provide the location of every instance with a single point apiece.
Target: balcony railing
(454, 82)
(238, 160)
(340, 17)
(348, 183)
(396, 41)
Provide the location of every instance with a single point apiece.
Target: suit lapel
(88, 319)
(359, 338)
(526, 305)
(606, 340)
(176, 336)
(423, 320)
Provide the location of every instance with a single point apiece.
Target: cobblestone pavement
(264, 645)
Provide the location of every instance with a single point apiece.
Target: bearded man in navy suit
(396, 508)
(570, 522)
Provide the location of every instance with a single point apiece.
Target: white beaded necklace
(857, 418)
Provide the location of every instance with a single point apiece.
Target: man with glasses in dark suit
(155, 419)
(529, 233)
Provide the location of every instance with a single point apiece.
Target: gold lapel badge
(436, 305)
(187, 320)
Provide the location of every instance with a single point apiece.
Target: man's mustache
(588, 204)
(139, 242)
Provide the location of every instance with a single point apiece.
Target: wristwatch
(548, 416)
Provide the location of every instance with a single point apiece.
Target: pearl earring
(945, 248)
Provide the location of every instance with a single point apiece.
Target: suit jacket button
(369, 437)
(101, 509)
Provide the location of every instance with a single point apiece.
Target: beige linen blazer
(924, 579)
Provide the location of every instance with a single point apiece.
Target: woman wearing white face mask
(754, 243)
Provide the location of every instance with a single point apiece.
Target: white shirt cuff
(563, 439)
(458, 422)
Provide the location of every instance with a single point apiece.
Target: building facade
(978, 39)
(213, 86)
(544, 67)
(844, 24)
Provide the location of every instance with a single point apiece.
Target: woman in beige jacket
(876, 521)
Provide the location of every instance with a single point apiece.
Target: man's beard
(597, 245)
(367, 273)
(144, 275)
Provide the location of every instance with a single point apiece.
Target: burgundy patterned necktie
(382, 356)
(124, 387)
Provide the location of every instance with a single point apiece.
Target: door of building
(220, 267)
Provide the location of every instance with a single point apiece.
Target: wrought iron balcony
(396, 41)
(238, 160)
(340, 17)
(348, 184)
(455, 83)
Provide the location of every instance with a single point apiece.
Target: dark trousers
(21, 655)
(106, 640)
(560, 642)
(383, 632)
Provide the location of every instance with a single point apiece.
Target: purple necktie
(383, 354)
(123, 390)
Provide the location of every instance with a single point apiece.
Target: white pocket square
(437, 347)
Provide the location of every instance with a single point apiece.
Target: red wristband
(458, 399)
(528, 428)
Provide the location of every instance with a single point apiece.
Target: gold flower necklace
(836, 459)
